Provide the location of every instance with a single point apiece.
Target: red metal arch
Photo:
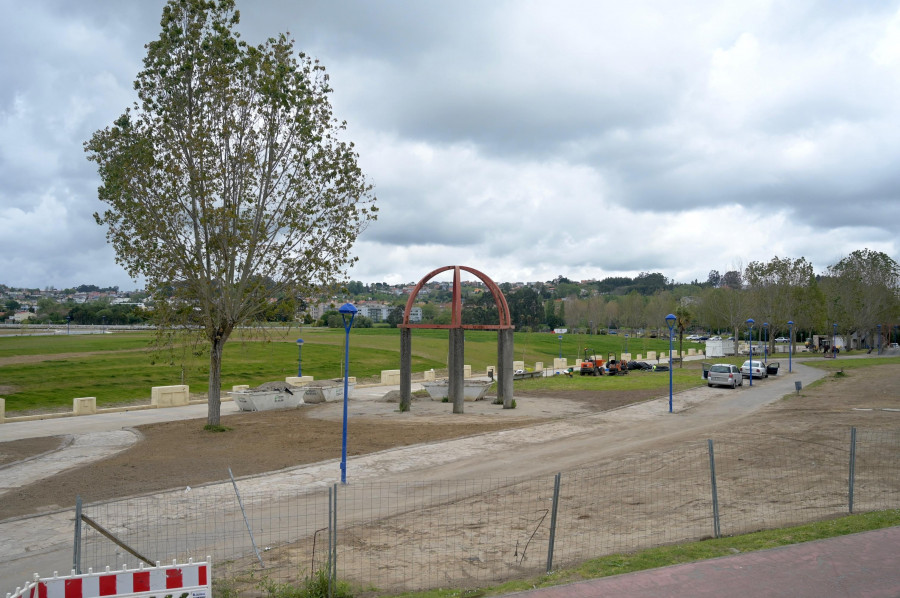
(456, 309)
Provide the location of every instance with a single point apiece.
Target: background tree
(228, 175)
(861, 291)
(683, 318)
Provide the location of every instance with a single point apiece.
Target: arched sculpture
(457, 341)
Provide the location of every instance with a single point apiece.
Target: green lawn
(122, 367)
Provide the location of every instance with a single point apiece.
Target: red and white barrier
(193, 579)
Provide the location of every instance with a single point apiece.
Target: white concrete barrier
(2, 410)
(651, 356)
(467, 371)
(84, 406)
(240, 387)
(429, 376)
(538, 366)
(390, 377)
(298, 380)
(560, 363)
(170, 396)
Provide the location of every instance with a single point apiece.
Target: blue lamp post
(347, 309)
(750, 323)
(790, 343)
(879, 338)
(560, 345)
(766, 342)
(299, 357)
(670, 322)
(68, 321)
(834, 341)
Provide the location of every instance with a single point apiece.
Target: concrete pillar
(2, 410)
(456, 391)
(539, 366)
(406, 369)
(651, 355)
(505, 367)
(560, 363)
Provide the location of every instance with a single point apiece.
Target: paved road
(44, 543)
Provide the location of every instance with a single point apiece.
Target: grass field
(47, 372)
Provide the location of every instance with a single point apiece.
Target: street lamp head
(750, 322)
(765, 324)
(348, 309)
(299, 341)
(790, 322)
(670, 320)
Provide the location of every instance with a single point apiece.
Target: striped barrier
(192, 580)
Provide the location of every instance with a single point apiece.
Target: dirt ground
(280, 439)
(283, 439)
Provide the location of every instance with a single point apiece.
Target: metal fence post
(76, 552)
(555, 508)
(246, 521)
(332, 535)
(715, 491)
(852, 467)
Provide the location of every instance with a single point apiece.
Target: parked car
(755, 367)
(724, 374)
(694, 337)
(893, 346)
(782, 339)
(715, 338)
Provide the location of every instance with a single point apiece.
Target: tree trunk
(215, 381)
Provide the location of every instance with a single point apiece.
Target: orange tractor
(591, 365)
(616, 366)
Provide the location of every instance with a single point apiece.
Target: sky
(528, 140)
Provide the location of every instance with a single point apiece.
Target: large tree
(227, 182)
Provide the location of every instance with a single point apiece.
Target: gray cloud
(525, 139)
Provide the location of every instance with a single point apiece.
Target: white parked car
(694, 337)
(724, 374)
(782, 339)
(755, 368)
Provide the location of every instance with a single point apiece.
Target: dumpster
(772, 368)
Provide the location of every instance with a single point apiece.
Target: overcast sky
(525, 139)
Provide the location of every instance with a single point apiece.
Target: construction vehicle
(616, 366)
(591, 365)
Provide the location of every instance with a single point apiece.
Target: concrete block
(170, 396)
(240, 387)
(626, 356)
(467, 371)
(2, 410)
(692, 351)
(560, 363)
(429, 376)
(651, 356)
(640, 357)
(538, 366)
(518, 365)
(390, 377)
(298, 380)
(84, 406)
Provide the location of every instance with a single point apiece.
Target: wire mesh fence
(388, 536)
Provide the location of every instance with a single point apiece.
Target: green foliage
(216, 428)
(316, 586)
(228, 183)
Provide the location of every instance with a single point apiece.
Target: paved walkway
(858, 565)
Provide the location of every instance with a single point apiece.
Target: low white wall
(84, 406)
(170, 396)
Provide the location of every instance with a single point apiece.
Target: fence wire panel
(400, 536)
(642, 500)
(450, 533)
(781, 482)
(203, 521)
(877, 470)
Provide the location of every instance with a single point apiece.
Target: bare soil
(310, 434)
